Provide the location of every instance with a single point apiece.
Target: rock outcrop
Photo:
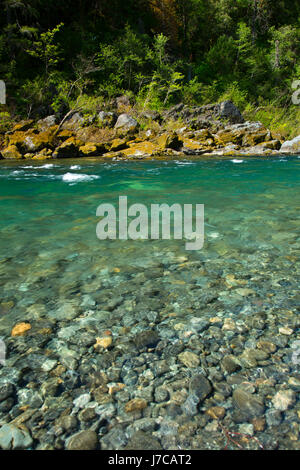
(215, 129)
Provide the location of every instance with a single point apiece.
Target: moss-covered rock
(44, 154)
(11, 152)
(119, 144)
(31, 141)
(68, 149)
(202, 135)
(255, 138)
(142, 149)
(23, 125)
(230, 136)
(44, 124)
(74, 122)
(192, 145)
(107, 119)
(96, 135)
(92, 149)
(271, 144)
(169, 140)
(65, 134)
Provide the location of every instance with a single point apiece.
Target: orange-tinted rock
(169, 140)
(11, 152)
(104, 342)
(23, 125)
(143, 149)
(229, 136)
(20, 329)
(216, 412)
(135, 405)
(91, 149)
(118, 144)
(253, 138)
(69, 149)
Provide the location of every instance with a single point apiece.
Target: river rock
(143, 441)
(250, 405)
(200, 386)
(230, 364)
(68, 149)
(74, 122)
(83, 440)
(189, 359)
(11, 152)
(148, 338)
(12, 438)
(6, 390)
(44, 124)
(284, 399)
(273, 417)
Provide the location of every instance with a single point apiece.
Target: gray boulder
(291, 146)
(107, 119)
(126, 123)
(227, 110)
(44, 124)
(74, 122)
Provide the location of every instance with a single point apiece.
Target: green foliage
(282, 120)
(45, 49)
(54, 55)
(6, 121)
(235, 94)
(192, 92)
(221, 57)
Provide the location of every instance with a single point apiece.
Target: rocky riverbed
(175, 355)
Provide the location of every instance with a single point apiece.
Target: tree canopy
(160, 51)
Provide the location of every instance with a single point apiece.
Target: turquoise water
(237, 296)
(48, 216)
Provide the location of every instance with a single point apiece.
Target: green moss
(284, 121)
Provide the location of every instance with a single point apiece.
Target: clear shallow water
(249, 204)
(48, 216)
(50, 256)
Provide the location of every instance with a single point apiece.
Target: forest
(57, 55)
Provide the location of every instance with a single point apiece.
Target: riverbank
(210, 130)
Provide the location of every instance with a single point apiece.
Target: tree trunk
(254, 19)
(277, 55)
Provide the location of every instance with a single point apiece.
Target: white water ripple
(78, 178)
